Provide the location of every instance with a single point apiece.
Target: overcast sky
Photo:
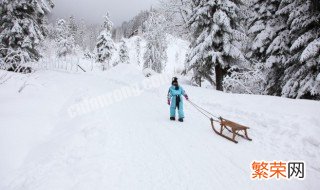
(93, 11)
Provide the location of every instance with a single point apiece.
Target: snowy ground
(132, 144)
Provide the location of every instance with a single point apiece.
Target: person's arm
(184, 93)
(169, 96)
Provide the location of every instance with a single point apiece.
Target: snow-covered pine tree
(262, 27)
(73, 27)
(93, 32)
(22, 29)
(302, 70)
(82, 36)
(216, 38)
(65, 40)
(138, 49)
(270, 42)
(176, 13)
(123, 52)
(155, 55)
(105, 45)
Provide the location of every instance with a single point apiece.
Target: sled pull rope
(204, 112)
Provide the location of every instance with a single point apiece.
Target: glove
(169, 102)
(186, 96)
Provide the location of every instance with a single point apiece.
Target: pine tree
(73, 28)
(65, 40)
(123, 52)
(155, 55)
(270, 42)
(22, 29)
(262, 27)
(176, 12)
(105, 45)
(216, 38)
(138, 49)
(303, 67)
(82, 36)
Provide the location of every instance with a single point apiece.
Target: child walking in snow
(175, 100)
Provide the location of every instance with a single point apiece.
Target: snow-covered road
(132, 144)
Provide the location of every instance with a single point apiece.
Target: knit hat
(174, 80)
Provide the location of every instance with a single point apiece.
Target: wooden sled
(232, 127)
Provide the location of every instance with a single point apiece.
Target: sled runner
(232, 127)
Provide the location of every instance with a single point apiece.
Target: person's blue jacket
(175, 100)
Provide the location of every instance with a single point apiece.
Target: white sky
(93, 11)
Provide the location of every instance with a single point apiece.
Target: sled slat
(233, 128)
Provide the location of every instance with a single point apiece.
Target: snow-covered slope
(131, 144)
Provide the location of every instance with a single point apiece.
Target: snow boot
(172, 118)
(181, 119)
